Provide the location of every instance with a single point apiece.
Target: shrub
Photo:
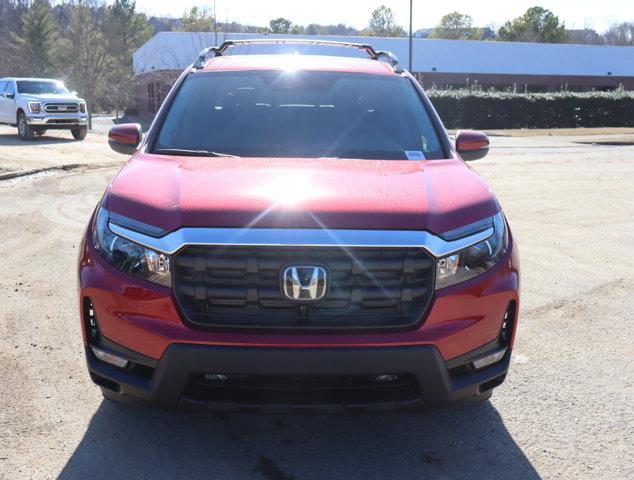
(472, 108)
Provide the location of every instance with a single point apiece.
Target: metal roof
(176, 50)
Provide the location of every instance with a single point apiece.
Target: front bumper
(58, 121)
(140, 321)
(169, 382)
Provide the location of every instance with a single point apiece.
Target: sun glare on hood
(289, 189)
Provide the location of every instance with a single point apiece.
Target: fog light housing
(216, 377)
(110, 358)
(489, 359)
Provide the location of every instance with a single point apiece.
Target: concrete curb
(24, 173)
(65, 168)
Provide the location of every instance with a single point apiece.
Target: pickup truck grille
(61, 108)
(239, 286)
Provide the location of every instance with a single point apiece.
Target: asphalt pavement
(565, 411)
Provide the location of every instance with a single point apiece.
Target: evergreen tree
(38, 39)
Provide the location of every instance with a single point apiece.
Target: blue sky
(575, 13)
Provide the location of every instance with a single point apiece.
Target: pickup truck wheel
(24, 130)
(79, 133)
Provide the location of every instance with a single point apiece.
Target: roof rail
(369, 49)
(391, 58)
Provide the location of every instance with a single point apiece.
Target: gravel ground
(565, 411)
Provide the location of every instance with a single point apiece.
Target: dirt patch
(55, 149)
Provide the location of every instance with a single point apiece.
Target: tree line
(537, 24)
(84, 42)
(90, 44)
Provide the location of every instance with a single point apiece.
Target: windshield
(38, 87)
(299, 114)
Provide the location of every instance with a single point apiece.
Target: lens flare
(289, 190)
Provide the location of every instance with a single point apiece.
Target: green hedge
(500, 110)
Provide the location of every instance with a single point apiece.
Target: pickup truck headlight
(474, 260)
(128, 256)
(82, 107)
(35, 107)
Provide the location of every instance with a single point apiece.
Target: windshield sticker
(414, 155)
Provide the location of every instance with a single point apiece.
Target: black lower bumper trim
(168, 386)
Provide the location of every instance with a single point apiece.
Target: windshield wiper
(192, 153)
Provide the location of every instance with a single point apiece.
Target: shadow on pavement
(134, 442)
(11, 139)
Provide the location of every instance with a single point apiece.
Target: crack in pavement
(578, 297)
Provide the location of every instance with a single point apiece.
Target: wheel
(24, 129)
(79, 133)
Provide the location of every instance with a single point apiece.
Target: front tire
(79, 133)
(24, 129)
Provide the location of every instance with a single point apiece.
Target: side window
(2, 86)
(10, 88)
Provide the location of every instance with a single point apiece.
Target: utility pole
(410, 34)
(215, 25)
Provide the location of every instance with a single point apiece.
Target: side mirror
(471, 145)
(9, 95)
(125, 138)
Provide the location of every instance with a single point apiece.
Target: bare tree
(620, 34)
(83, 54)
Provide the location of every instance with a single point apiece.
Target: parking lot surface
(565, 411)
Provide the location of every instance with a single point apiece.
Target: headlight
(474, 260)
(35, 107)
(128, 256)
(82, 107)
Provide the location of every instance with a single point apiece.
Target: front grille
(61, 108)
(64, 121)
(308, 392)
(239, 286)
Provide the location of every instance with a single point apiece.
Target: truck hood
(172, 192)
(51, 98)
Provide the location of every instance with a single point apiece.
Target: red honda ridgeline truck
(297, 233)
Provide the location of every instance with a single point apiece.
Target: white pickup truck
(35, 105)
